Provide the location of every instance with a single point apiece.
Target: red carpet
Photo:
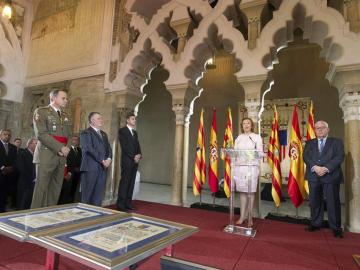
(277, 245)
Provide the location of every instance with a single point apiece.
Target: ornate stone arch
(320, 24)
(150, 32)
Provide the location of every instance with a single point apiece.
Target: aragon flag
(200, 165)
(296, 188)
(228, 143)
(274, 160)
(310, 134)
(213, 163)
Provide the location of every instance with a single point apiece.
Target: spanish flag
(310, 134)
(296, 188)
(274, 160)
(228, 143)
(213, 163)
(200, 165)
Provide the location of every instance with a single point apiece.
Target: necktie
(59, 113)
(6, 146)
(321, 146)
(99, 133)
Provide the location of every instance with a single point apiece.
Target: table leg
(52, 260)
(169, 251)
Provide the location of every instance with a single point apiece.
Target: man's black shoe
(121, 209)
(130, 207)
(338, 233)
(312, 228)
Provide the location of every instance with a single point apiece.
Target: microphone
(253, 141)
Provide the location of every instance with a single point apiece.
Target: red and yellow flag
(228, 143)
(310, 134)
(213, 163)
(296, 188)
(200, 165)
(274, 160)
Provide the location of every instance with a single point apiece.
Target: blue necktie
(321, 146)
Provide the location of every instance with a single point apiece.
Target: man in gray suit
(96, 158)
(323, 157)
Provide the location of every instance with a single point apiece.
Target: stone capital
(181, 114)
(126, 99)
(350, 104)
(347, 81)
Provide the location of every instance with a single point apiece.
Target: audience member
(27, 174)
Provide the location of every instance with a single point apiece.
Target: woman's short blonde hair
(251, 121)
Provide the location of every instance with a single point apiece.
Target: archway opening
(156, 129)
(299, 77)
(220, 90)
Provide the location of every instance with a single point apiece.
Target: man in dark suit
(8, 155)
(27, 175)
(73, 164)
(130, 157)
(70, 187)
(96, 158)
(323, 157)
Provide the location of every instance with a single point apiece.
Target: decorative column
(124, 102)
(348, 84)
(350, 104)
(181, 112)
(185, 157)
(352, 14)
(252, 87)
(182, 95)
(253, 10)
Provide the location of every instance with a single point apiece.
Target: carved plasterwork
(54, 16)
(17, 20)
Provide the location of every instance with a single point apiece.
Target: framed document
(116, 242)
(20, 224)
(357, 259)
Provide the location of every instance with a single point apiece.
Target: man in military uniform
(52, 128)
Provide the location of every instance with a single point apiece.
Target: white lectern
(239, 158)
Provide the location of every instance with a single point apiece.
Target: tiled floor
(162, 194)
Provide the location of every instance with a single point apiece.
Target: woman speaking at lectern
(243, 173)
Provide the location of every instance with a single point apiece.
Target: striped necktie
(321, 145)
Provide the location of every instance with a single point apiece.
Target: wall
(69, 40)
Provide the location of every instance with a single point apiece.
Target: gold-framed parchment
(20, 224)
(357, 259)
(115, 242)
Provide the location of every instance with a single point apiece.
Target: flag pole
(297, 212)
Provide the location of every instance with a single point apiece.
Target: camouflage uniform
(49, 127)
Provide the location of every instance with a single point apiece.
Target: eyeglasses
(320, 128)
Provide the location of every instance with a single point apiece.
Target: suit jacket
(95, 149)
(8, 159)
(331, 157)
(47, 124)
(26, 169)
(73, 159)
(129, 145)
